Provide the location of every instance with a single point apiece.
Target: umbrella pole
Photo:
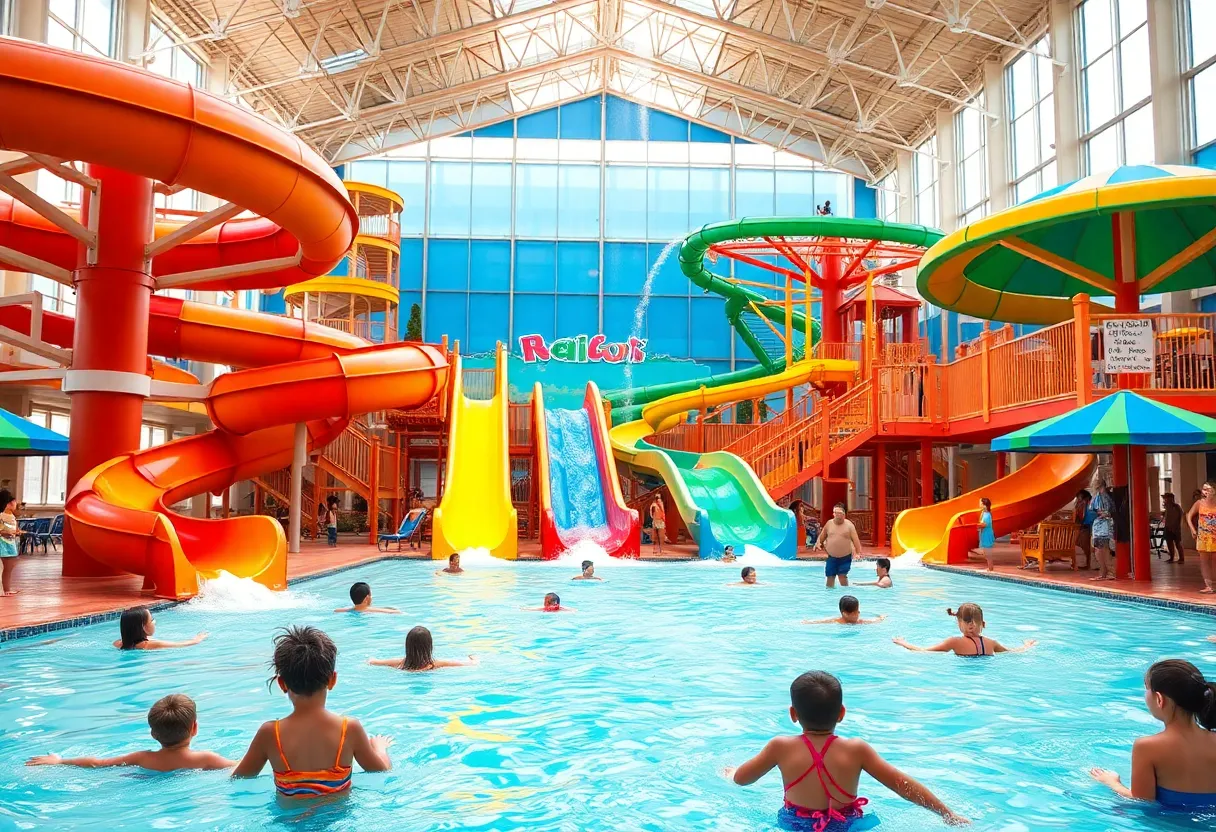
(1142, 564)
(1122, 548)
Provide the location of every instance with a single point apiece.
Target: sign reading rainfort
(582, 349)
(1128, 345)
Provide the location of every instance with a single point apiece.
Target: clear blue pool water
(619, 717)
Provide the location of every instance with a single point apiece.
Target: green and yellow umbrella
(1135, 230)
(21, 437)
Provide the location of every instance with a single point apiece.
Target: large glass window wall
(552, 223)
(1115, 83)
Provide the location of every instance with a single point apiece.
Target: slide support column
(926, 473)
(299, 459)
(880, 496)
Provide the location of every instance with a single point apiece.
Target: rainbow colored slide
(580, 493)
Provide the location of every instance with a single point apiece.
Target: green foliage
(413, 328)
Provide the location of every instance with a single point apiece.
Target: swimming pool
(620, 717)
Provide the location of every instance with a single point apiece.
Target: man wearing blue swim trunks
(839, 539)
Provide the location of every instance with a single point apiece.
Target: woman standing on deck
(1103, 530)
(1202, 520)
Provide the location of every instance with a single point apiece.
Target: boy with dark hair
(588, 572)
(820, 770)
(552, 603)
(453, 567)
(173, 721)
(361, 597)
(850, 613)
(883, 568)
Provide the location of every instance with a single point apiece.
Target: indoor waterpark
(608, 415)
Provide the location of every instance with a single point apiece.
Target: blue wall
(549, 224)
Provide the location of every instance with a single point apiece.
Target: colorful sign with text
(582, 349)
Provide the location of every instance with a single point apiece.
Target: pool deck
(48, 601)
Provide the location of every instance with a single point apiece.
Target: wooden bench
(1052, 541)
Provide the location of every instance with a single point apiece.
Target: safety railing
(965, 386)
(847, 351)
(377, 332)
(903, 393)
(1183, 355)
(350, 453)
(850, 415)
(1034, 368)
(899, 353)
(478, 383)
(519, 425)
(380, 225)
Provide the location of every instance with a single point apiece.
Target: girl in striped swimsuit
(311, 751)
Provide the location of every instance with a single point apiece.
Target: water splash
(574, 477)
(755, 556)
(639, 312)
(908, 560)
(228, 593)
(479, 557)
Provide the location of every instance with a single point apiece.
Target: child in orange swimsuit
(310, 751)
(821, 771)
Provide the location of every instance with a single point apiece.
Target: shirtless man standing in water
(839, 539)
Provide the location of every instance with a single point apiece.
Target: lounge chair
(411, 526)
(1053, 541)
(53, 535)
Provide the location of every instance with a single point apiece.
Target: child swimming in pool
(361, 597)
(552, 603)
(310, 751)
(970, 620)
(418, 655)
(821, 771)
(453, 567)
(850, 613)
(173, 721)
(588, 573)
(728, 554)
(883, 569)
(747, 577)
(136, 627)
(1177, 767)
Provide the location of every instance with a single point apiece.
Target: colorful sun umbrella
(1135, 230)
(1122, 418)
(21, 437)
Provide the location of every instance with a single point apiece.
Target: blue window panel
(625, 268)
(753, 193)
(446, 314)
(534, 315)
(502, 130)
(795, 194)
(756, 274)
(492, 186)
(409, 180)
(865, 200)
(668, 279)
(667, 327)
(717, 368)
(489, 319)
(577, 315)
(489, 266)
(665, 128)
(542, 125)
(699, 133)
(451, 198)
(578, 201)
(275, 304)
(408, 299)
(447, 265)
(373, 173)
(834, 188)
(535, 266)
(708, 196)
(667, 203)
(578, 267)
(618, 318)
(710, 331)
(625, 202)
(580, 120)
(624, 120)
(1205, 158)
(536, 201)
(411, 265)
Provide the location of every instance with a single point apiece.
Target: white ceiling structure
(844, 82)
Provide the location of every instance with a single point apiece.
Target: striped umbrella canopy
(21, 437)
(1122, 418)
(1151, 225)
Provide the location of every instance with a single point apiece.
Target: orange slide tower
(132, 129)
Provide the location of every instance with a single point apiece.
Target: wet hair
(453, 556)
(747, 570)
(968, 612)
(304, 658)
(360, 592)
(1084, 495)
(730, 549)
(1182, 683)
(6, 497)
(131, 627)
(817, 700)
(418, 646)
(171, 718)
(552, 600)
(986, 503)
(884, 563)
(849, 604)
(840, 506)
(588, 563)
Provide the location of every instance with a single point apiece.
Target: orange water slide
(944, 532)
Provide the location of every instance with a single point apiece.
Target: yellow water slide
(476, 510)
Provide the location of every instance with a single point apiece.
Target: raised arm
(997, 647)
(1144, 775)
(904, 786)
(371, 753)
(84, 762)
(877, 620)
(385, 610)
(469, 662)
(945, 647)
(822, 621)
(156, 644)
(757, 766)
(256, 757)
(397, 663)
